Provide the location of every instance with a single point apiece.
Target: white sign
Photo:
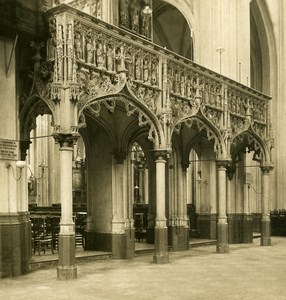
(9, 149)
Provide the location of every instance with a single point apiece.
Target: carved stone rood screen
(95, 59)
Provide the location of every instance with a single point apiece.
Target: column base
(223, 248)
(179, 238)
(161, 258)
(130, 243)
(265, 241)
(15, 244)
(222, 238)
(66, 273)
(265, 233)
(161, 255)
(247, 229)
(66, 269)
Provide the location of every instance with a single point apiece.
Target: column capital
(65, 139)
(266, 169)
(223, 163)
(120, 156)
(24, 146)
(185, 165)
(161, 154)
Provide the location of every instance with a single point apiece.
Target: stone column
(141, 183)
(222, 225)
(66, 267)
(265, 199)
(161, 234)
(146, 185)
(247, 217)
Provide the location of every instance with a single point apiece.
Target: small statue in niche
(52, 46)
(137, 68)
(212, 95)
(89, 51)
(120, 59)
(129, 64)
(206, 93)
(146, 70)
(153, 73)
(177, 83)
(218, 96)
(109, 58)
(183, 85)
(189, 87)
(78, 46)
(100, 56)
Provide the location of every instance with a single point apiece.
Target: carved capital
(266, 169)
(24, 146)
(185, 165)
(65, 139)
(161, 155)
(119, 156)
(230, 171)
(223, 163)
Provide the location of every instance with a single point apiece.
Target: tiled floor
(249, 271)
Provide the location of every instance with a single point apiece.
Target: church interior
(139, 124)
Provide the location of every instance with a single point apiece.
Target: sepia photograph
(142, 149)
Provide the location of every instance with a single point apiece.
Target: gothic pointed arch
(132, 107)
(251, 142)
(263, 48)
(205, 128)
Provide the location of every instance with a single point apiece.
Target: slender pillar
(141, 183)
(161, 234)
(265, 197)
(247, 217)
(185, 200)
(222, 225)
(66, 268)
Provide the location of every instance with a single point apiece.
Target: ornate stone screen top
(96, 59)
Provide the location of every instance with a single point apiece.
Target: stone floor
(247, 272)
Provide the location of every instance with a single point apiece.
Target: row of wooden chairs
(278, 222)
(45, 232)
